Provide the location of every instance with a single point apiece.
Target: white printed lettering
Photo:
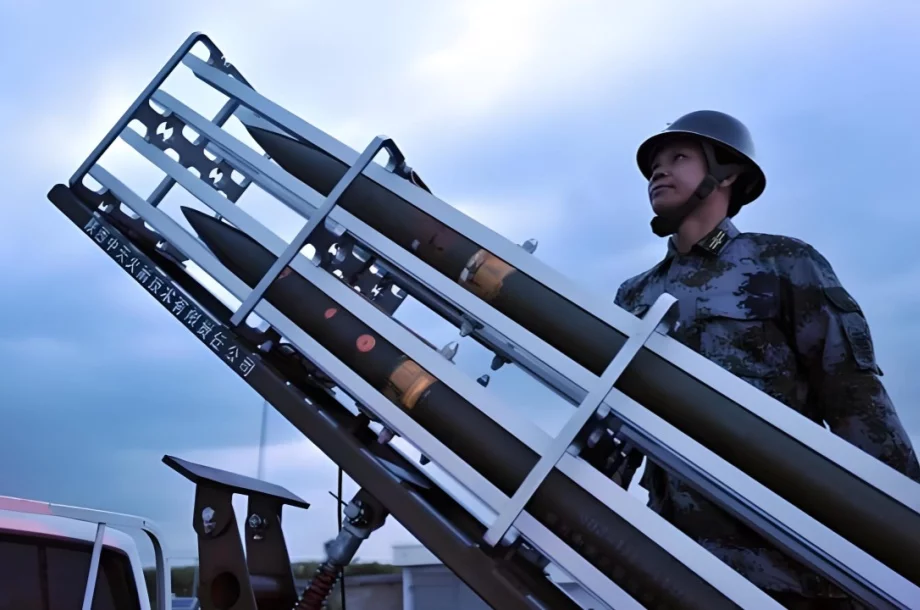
(155, 285)
(167, 295)
(217, 341)
(180, 306)
(205, 329)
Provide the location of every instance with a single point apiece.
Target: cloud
(496, 45)
(40, 348)
(544, 51)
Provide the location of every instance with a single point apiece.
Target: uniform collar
(713, 243)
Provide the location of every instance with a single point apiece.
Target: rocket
(852, 507)
(639, 566)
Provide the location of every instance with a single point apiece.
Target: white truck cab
(56, 557)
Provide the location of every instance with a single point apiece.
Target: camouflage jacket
(771, 310)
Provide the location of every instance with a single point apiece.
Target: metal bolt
(355, 512)
(207, 520)
(256, 522)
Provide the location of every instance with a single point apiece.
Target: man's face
(677, 169)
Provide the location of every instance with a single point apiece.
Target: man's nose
(658, 173)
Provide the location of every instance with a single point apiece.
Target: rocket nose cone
(305, 162)
(209, 230)
(240, 253)
(197, 219)
(207, 227)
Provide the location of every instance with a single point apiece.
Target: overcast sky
(526, 115)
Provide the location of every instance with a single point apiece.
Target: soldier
(769, 309)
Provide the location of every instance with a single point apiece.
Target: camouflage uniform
(771, 310)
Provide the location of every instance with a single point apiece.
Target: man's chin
(663, 208)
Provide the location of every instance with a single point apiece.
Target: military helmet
(728, 136)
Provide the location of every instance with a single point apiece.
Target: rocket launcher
(496, 498)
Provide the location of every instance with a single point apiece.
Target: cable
(340, 511)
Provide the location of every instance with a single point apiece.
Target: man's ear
(728, 181)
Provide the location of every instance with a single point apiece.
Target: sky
(524, 115)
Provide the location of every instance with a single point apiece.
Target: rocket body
(553, 318)
(636, 564)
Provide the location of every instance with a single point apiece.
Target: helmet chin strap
(669, 223)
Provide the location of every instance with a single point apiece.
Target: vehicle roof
(19, 516)
(64, 527)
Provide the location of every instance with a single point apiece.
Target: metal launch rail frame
(846, 515)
